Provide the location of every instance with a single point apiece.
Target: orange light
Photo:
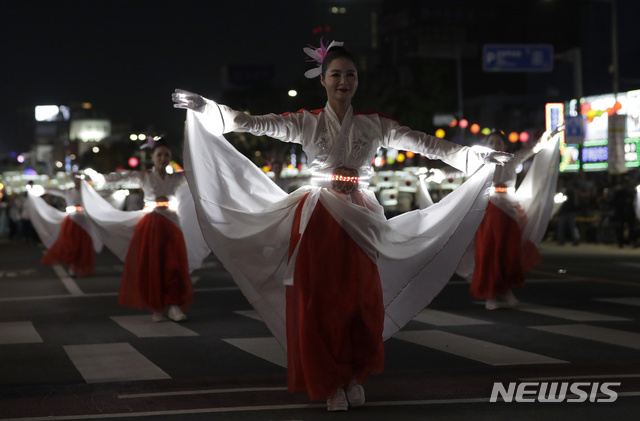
(475, 128)
(410, 154)
(513, 137)
(453, 123)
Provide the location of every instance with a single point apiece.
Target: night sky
(126, 57)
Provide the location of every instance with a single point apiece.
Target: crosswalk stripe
(631, 301)
(144, 327)
(595, 333)
(441, 318)
(67, 281)
(22, 332)
(266, 348)
(115, 362)
(252, 314)
(473, 349)
(568, 314)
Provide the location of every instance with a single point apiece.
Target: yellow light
(86, 105)
(440, 133)
(400, 157)
(265, 168)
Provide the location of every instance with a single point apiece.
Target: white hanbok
(247, 220)
(117, 227)
(70, 236)
(530, 205)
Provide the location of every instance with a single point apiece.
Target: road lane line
(67, 280)
(101, 294)
(568, 314)
(115, 362)
(266, 348)
(595, 376)
(441, 318)
(474, 349)
(262, 408)
(144, 327)
(21, 332)
(630, 301)
(595, 333)
(203, 392)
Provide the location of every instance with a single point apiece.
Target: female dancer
(70, 237)
(353, 278)
(506, 245)
(150, 242)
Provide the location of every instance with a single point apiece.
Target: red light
(463, 123)
(133, 162)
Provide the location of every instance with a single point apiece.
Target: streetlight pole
(614, 48)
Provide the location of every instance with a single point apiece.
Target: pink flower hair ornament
(318, 55)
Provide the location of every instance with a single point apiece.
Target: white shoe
(510, 299)
(157, 317)
(176, 314)
(338, 402)
(491, 304)
(355, 394)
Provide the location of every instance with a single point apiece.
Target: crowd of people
(330, 274)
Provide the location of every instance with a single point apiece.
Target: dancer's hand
(489, 156)
(188, 100)
(497, 157)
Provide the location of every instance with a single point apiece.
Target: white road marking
(474, 349)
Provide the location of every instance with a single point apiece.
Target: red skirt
(335, 312)
(156, 269)
(73, 248)
(500, 260)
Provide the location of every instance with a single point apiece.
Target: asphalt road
(67, 351)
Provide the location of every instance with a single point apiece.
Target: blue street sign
(517, 58)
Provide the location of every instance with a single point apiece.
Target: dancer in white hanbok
(70, 237)
(506, 245)
(150, 242)
(351, 277)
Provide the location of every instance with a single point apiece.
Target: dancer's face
(496, 143)
(340, 80)
(161, 157)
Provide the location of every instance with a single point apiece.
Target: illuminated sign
(633, 113)
(554, 117)
(631, 159)
(570, 157)
(595, 154)
(93, 130)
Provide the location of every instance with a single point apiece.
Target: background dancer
(506, 245)
(70, 237)
(150, 242)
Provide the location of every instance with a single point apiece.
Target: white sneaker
(510, 299)
(157, 317)
(491, 304)
(355, 394)
(338, 402)
(176, 314)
